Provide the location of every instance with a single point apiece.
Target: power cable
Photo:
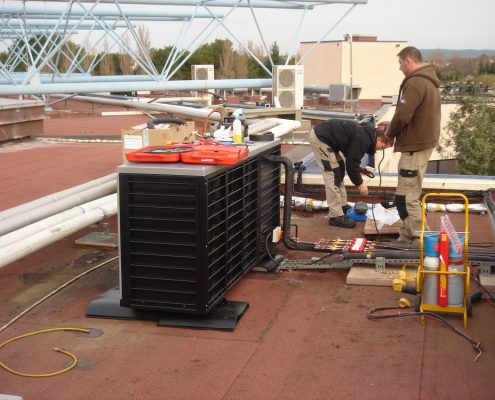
(17, 317)
(474, 343)
(56, 349)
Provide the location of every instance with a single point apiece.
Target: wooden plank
(368, 276)
(370, 229)
(488, 282)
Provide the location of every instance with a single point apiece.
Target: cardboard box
(140, 136)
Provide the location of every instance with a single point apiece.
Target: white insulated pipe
(54, 197)
(47, 223)
(200, 113)
(262, 125)
(284, 127)
(22, 248)
(15, 222)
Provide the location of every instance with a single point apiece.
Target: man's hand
(363, 189)
(383, 128)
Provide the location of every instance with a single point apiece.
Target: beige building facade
(374, 66)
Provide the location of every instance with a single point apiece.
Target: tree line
(457, 69)
(229, 62)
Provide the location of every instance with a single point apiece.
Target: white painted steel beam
(7, 9)
(214, 3)
(93, 87)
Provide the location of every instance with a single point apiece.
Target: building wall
(375, 66)
(323, 66)
(391, 159)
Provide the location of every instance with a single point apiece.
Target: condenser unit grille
(202, 73)
(286, 98)
(286, 78)
(186, 240)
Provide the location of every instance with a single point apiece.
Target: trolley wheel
(469, 306)
(417, 303)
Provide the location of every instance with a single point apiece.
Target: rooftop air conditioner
(288, 85)
(203, 72)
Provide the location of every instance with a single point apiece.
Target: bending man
(330, 139)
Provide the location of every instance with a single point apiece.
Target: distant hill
(466, 53)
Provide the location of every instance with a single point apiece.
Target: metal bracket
(380, 264)
(485, 269)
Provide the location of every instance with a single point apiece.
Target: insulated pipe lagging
(47, 223)
(22, 248)
(11, 224)
(54, 197)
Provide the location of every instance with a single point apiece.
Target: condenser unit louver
(288, 85)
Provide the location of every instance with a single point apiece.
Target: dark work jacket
(351, 139)
(416, 122)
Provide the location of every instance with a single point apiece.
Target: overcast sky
(454, 24)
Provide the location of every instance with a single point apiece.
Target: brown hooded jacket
(416, 122)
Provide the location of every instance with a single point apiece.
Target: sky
(447, 24)
(452, 24)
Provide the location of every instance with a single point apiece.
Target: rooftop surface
(305, 334)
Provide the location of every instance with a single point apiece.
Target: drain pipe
(22, 248)
(28, 217)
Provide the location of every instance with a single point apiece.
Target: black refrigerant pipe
(289, 178)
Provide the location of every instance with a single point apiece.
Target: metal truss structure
(40, 35)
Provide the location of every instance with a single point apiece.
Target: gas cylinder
(456, 282)
(430, 282)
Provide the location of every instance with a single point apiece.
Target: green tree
(471, 137)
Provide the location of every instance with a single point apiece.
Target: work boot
(346, 208)
(342, 221)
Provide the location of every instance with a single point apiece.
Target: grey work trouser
(412, 168)
(333, 170)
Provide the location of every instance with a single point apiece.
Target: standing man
(330, 138)
(415, 128)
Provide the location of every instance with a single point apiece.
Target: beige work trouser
(336, 195)
(408, 193)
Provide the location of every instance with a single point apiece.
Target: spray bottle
(237, 130)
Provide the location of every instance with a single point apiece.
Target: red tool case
(215, 154)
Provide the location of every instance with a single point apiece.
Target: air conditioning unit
(202, 72)
(288, 85)
(188, 233)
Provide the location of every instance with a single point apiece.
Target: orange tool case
(215, 154)
(207, 152)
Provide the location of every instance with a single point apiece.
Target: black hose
(156, 121)
(371, 315)
(289, 179)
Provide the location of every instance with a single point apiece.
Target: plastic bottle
(237, 131)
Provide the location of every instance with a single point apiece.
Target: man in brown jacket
(415, 127)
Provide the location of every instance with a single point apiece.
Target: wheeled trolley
(437, 274)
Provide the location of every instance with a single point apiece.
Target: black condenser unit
(189, 232)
